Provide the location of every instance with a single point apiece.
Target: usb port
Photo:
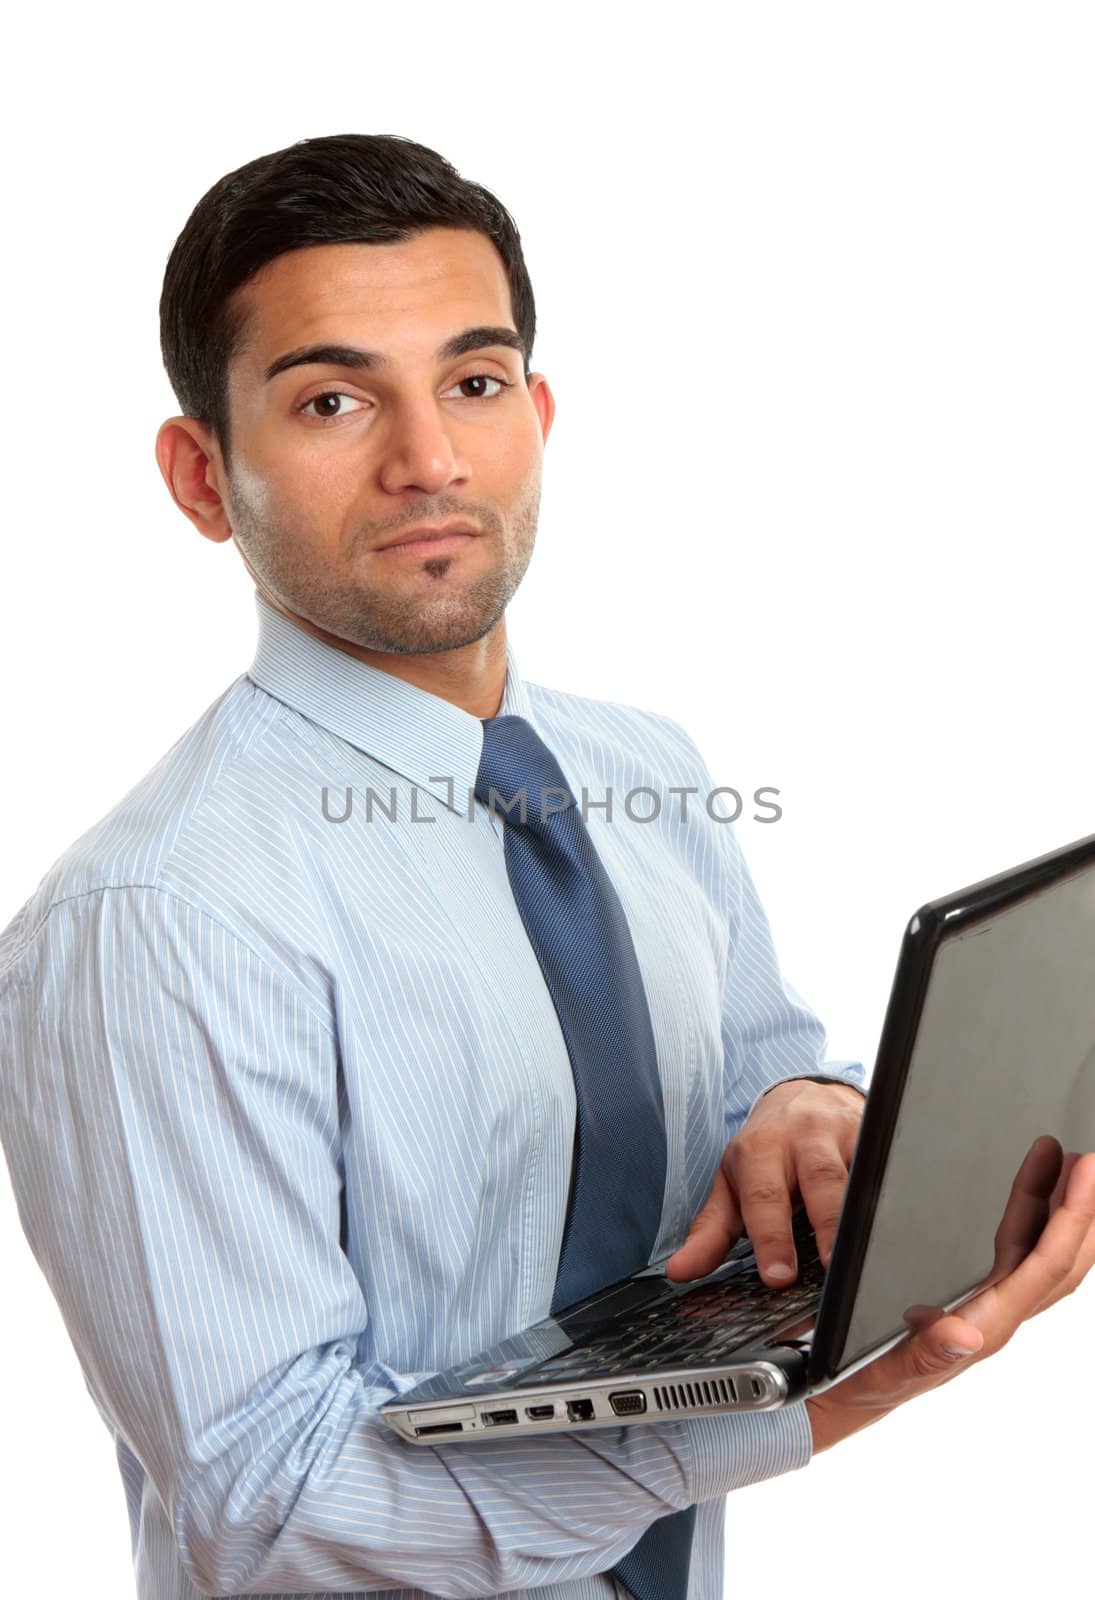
(496, 1419)
(539, 1413)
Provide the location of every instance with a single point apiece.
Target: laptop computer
(984, 1080)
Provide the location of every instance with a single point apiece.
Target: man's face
(331, 461)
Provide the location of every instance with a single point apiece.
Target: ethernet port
(580, 1410)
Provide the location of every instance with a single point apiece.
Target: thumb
(912, 1367)
(935, 1350)
(715, 1229)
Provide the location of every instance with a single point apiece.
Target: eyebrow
(348, 355)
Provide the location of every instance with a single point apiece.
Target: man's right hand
(1057, 1264)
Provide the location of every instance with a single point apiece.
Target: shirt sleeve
(769, 1032)
(169, 1110)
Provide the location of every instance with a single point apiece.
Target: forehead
(394, 297)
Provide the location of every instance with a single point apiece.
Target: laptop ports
(627, 1403)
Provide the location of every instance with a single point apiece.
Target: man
(290, 1101)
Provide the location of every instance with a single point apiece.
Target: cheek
(511, 462)
(307, 480)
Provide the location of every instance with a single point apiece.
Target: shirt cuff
(737, 1448)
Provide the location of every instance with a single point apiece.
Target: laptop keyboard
(706, 1324)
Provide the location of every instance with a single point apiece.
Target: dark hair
(371, 188)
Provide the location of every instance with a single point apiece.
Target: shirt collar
(420, 735)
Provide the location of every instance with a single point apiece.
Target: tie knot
(518, 773)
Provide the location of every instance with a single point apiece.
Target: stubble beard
(444, 615)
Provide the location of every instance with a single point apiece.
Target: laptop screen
(1004, 1056)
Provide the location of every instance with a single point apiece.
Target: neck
(472, 677)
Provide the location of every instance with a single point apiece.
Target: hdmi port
(496, 1419)
(539, 1413)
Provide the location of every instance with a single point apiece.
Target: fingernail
(780, 1269)
(955, 1352)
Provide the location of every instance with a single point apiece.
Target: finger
(1085, 1261)
(822, 1181)
(1058, 1262)
(1062, 1256)
(764, 1195)
(935, 1349)
(1067, 1165)
(716, 1229)
(1028, 1206)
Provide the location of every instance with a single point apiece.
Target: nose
(419, 452)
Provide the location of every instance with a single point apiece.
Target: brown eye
(475, 383)
(326, 415)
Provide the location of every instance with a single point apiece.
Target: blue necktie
(577, 928)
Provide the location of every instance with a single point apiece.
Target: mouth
(425, 540)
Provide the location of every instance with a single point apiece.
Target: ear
(543, 400)
(190, 463)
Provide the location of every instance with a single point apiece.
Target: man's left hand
(796, 1145)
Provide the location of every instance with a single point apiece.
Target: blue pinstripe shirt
(289, 1116)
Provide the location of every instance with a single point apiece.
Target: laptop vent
(690, 1396)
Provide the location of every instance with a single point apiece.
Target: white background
(815, 296)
